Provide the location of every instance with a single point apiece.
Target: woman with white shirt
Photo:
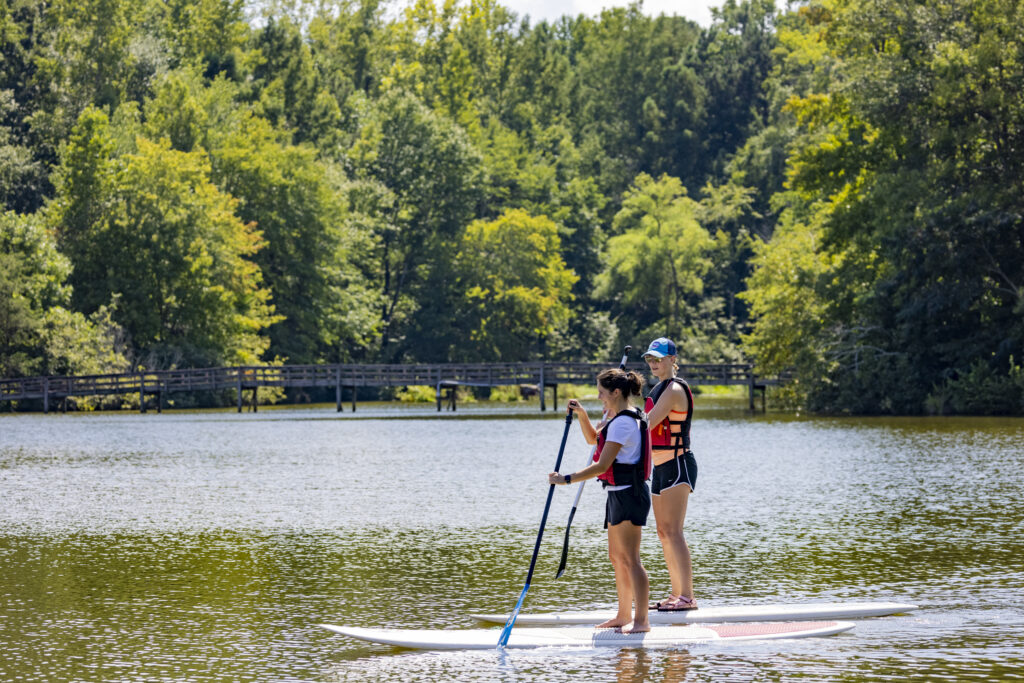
(622, 462)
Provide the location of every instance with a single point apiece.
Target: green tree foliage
(911, 171)
(858, 164)
(312, 259)
(639, 102)
(657, 262)
(515, 287)
(297, 202)
(150, 228)
(208, 34)
(346, 42)
(735, 60)
(38, 332)
(419, 186)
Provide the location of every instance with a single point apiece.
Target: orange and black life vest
(620, 474)
(672, 433)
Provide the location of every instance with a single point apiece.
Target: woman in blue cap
(669, 409)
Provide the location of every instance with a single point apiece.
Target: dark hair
(629, 383)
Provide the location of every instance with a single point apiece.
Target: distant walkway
(444, 377)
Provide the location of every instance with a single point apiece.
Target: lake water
(208, 546)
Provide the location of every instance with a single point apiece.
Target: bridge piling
(337, 388)
(542, 406)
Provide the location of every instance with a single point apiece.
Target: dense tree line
(831, 189)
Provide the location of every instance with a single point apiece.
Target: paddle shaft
(505, 632)
(579, 490)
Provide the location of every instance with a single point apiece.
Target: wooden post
(159, 401)
(554, 393)
(353, 395)
(337, 386)
(542, 406)
(46, 395)
(255, 398)
(437, 395)
(64, 405)
(239, 371)
(142, 393)
(750, 385)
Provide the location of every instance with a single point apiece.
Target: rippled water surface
(207, 546)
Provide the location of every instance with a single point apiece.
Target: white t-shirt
(625, 431)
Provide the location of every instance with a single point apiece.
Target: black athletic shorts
(681, 470)
(627, 505)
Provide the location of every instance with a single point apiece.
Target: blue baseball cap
(661, 347)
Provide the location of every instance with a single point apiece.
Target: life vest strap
(679, 441)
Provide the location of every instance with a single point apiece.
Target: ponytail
(629, 383)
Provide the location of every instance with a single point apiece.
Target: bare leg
(670, 514)
(623, 584)
(630, 578)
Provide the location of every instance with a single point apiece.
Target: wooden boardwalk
(152, 386)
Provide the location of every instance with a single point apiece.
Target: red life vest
(619, 474)
(670, 434)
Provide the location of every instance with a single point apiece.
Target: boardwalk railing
(441, 376)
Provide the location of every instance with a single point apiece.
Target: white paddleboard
(704, 615)
(658, 636)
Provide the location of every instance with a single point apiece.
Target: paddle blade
(505, 632)
(565, 544)
(565, 556)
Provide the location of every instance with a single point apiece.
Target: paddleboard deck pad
(657, 637)
(805, 612)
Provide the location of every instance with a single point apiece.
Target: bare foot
(614, 623)
(637, 627)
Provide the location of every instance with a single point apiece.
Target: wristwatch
(568, 479)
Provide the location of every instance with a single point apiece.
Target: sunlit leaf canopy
(830, 189)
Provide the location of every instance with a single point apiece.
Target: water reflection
(676, 666)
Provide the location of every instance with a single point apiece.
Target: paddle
(579, 491)
(505, 632)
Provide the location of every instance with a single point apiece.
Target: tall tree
(515, 287)
(734, 60)
(151, 229)
(422, 176)
(657, 261)
(910, 164)
(38, 333)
